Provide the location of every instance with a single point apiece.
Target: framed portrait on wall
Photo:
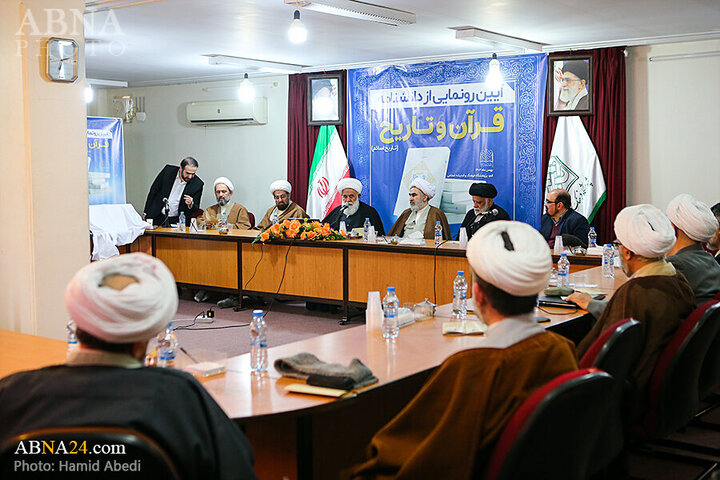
(569, 85)
(324, 100)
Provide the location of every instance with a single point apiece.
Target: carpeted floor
(228, 333)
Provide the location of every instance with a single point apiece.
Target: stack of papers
(468, 327)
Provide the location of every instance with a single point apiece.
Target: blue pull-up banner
(106, 161)
(442, 122)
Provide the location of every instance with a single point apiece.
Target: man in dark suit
(174, 190)
(561, 219)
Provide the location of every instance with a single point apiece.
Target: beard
(282, 206)
(417, 206)
(352, 208)
(567, 94)
(480, 210)
(222, 201)
(625, 267)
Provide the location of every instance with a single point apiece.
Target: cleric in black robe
(352, 211)
(484, 208)
(118, 305)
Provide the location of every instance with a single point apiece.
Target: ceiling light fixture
(357, 9)
(89, 94)
(254, 64)
(98, 82)
(496, 41)
(494, 78)
(246, 90)
(297, 33)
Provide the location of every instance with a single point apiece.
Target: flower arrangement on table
(299, 230)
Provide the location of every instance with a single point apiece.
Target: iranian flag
(574, 165)
(329, 166)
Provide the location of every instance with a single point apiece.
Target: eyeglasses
(616, 243)
(551, 201)
(569, 80)
(281, 197)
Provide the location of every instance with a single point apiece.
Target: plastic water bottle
(223, 223)
(258, 342)
(72, 341)
(563, 271)
(459, 308)
(608, 262)
(181, 222)
(390, 328)
(438, 233)
(366, 229)
(167, 345)
(592, 238)
(343, 226)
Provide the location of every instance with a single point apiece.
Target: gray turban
(692, 217)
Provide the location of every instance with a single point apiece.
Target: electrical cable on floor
(435, 270)
(262, 252)
(281, 281)
(194, 321)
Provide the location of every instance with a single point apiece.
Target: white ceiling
(164, 42)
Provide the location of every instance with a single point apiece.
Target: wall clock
(62, 60)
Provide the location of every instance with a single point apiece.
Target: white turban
(132, 314)
(283, 185)
(226, 181)
(353, 183)
(518, 263)
(644, 230)
(692, 217)
(424, 186)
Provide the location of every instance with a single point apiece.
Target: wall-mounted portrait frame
(324, 99)
(569, 85)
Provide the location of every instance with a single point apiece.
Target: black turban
(486, 190)
(578, 68)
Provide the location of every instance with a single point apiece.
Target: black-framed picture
(569, 85)
(324, 99)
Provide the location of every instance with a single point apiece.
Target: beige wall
(673, 124)
(43, 184)
(251, 156)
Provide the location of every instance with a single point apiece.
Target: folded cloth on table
(304, 364)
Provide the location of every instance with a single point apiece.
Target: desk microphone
(492, 212)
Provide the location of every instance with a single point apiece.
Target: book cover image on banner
(429, 163)
(442, 122)
(106, 161)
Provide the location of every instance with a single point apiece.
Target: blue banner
(106, 161)
(442, 122)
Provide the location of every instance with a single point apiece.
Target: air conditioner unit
(228, 112)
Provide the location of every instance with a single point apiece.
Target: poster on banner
(442, 122)
(106, 161)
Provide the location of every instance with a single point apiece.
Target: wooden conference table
(336, 272)
(298, 436)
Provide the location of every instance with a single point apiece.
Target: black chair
(145, 459)
(710, 373)
(615, 351)
(552, 434)
(673, 391)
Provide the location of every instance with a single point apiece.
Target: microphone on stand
(166, 210)
(494, 212)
